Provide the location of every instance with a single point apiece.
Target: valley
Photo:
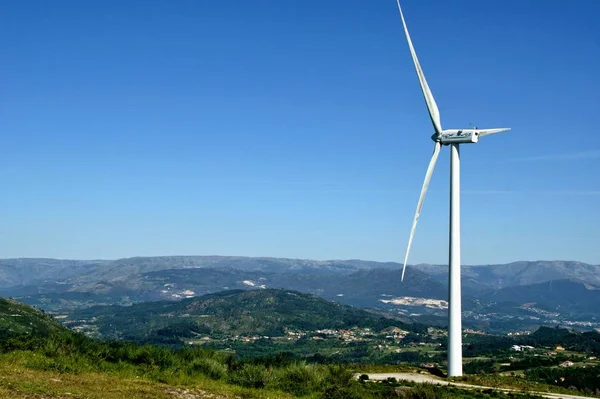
(497, 298)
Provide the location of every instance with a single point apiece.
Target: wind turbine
(453, 138)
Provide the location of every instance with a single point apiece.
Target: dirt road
(421, 378)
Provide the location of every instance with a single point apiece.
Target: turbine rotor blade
(486, 132)
(434, 112)
(434, 157)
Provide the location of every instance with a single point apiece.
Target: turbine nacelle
(457, 136)
(463, 136)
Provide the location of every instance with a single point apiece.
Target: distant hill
(24, 272)
(120, 268)
(366, 288)
(17, 318)
(477, 278)
(28, 271)
(361, 288)
(565, 296)
(257, 312)
(84, 275)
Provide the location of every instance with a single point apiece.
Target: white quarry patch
(253, 284)
(414, 301)
(340, 295)
(188, 293)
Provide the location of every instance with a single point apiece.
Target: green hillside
(268, 312)
(39, 359)
(17, 318)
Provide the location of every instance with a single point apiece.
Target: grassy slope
(38, 374)
(19, 318)
(19, 378)
(26, 374)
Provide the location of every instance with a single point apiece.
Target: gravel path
(421, 378)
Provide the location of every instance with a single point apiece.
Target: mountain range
(518, 273)
(504, 297)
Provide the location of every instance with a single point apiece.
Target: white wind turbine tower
(451, 137)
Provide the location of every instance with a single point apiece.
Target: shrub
(299, 379)
(250, 376)
(211, 368)
(339, 375)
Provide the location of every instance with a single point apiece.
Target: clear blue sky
(296, 128)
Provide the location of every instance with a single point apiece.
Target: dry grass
(17, 381)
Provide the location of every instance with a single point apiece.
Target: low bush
(211, 368)
(249, 376)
